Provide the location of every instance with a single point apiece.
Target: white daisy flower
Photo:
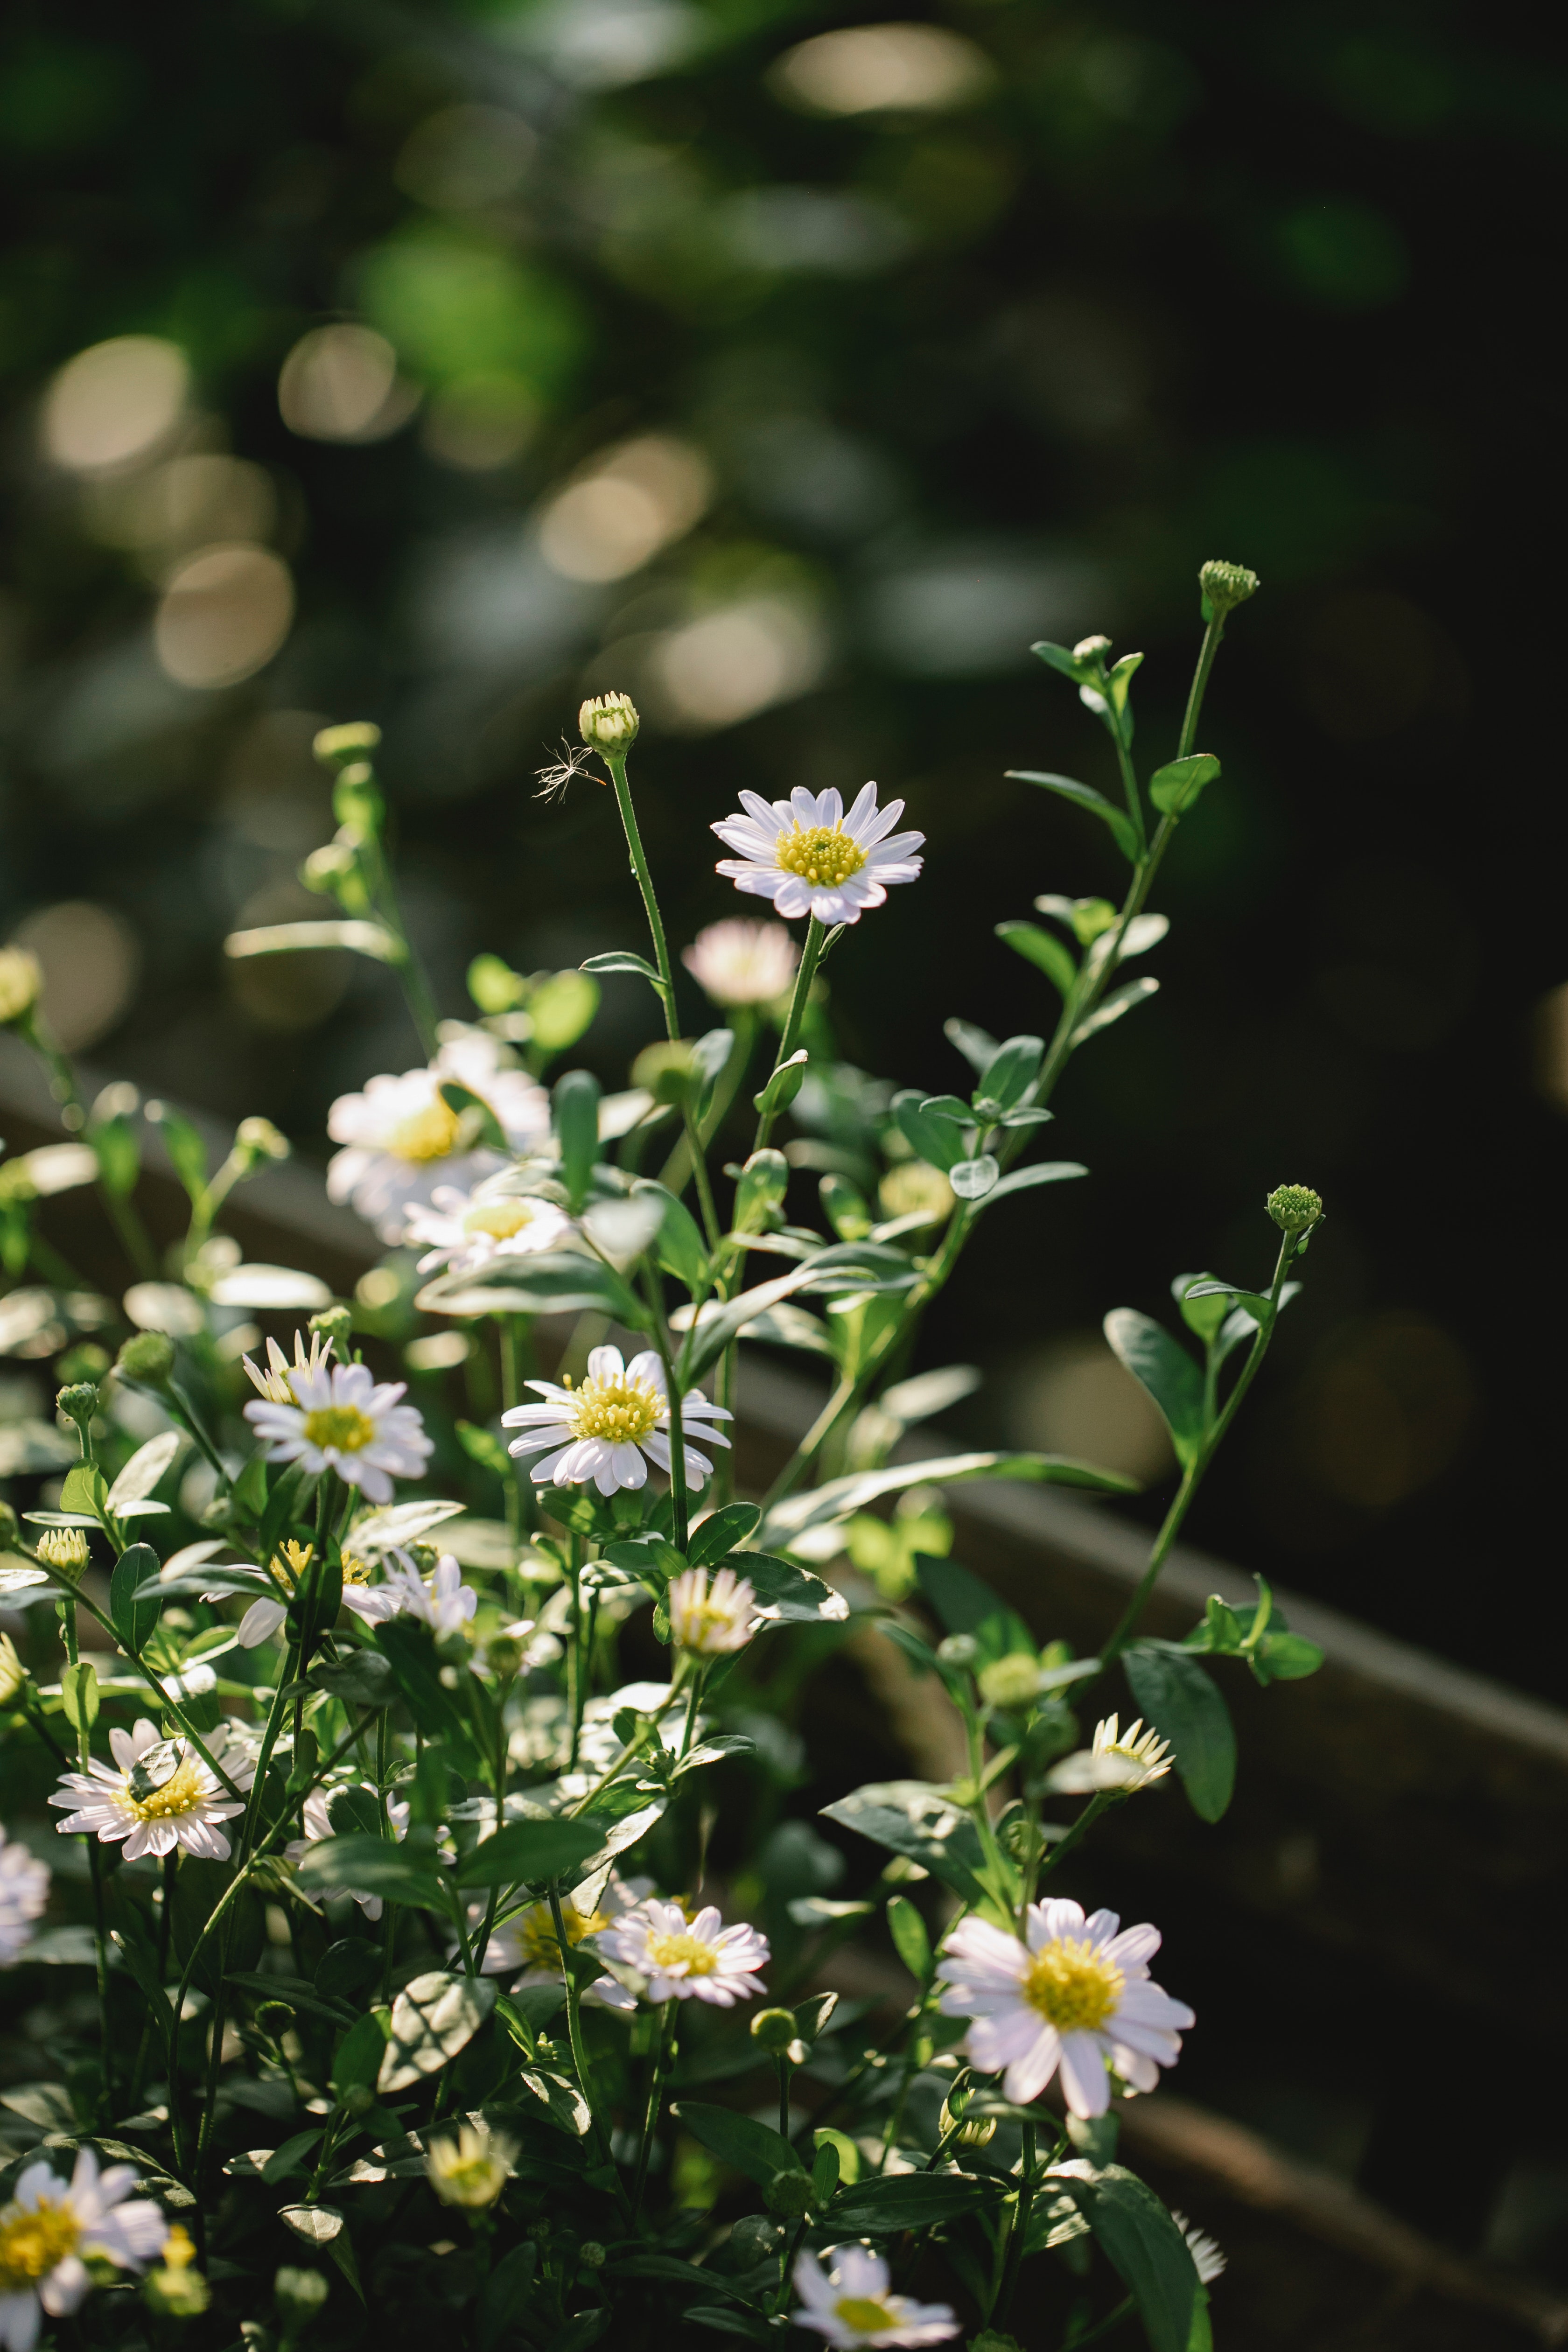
(1129, 1762)
(441, 1601)
(1209, 2258)
(467, 1232)
(742, 963)
(709, 1620)
(683, 1960)
(53, 2228)
(344, 1420)
(402, 1137)
(810, 859)
(319, 1824)
(158, 1794)
(275, 1383)
(1076, 1994)
(471, 2169)
(597, 1429)
(24, 1891)
(527, 1941)
(850, 2302)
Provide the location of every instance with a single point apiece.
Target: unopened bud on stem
(1295, 1208)
(336, 746)
(21, 982)
(79, 1402)
(147, 1359)
(774, 2029)
(609, 723)
(65, 1550)
(1225, 586)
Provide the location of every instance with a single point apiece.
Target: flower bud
(148, 1359)
(1295, 1208)
(593, 2256)
(1225, 586)
(21, 984)
(329, 869)
(1013, 1681)
(609, 723)
(259, 1140)
(958, 1650)
(335, 1324)
(1091, 649)
(79, 1402)
(760, 1191)
(335, 746)
(175, 2290)
(65, 1550)
(788, 2196)
(10, 1527)
(977, 2133)
(774, 2029)
(13, 1673)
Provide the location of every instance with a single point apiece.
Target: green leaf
(908, 2200)
(133, 1608)
(1163, 1367)
(324, 2227)
(910, 1940)
(839, 1498)
(1145, 2247)
(785, 1084)
(1175, 787)
(433, 2018)
(844, 1266)
(371, 1865)
(478, 1119)
(83, 1489)
(622, 959)
(1286, 1658)
(560, 1009)
(973, 1180)
(1120, 1001)
(1044, 951)
(679, 1247)
(931, 1137)
(142, 1474)
(1041, 1172)
(411, 1654)
(963, 1603)
(287, 939)
(911, 1818)
(1205, 1303)
(1179, 1698)
(557, 1281)
(1086, 797)
(78, 1694)
(359, 1677)
(714, 1539)
(1058, 658)
(505, 2297)
(528, 1852)
(361, 2052)
(737, 2141)
(787, 1594)
(285, 1507)
(1011, 1071)
(574, 1113)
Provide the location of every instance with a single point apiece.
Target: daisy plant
(416, 1674)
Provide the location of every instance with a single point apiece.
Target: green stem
(1102, 2327)
(578, 2046)
(800, 996)
(1020, 2228)
(663, 2059)
(1206, 652)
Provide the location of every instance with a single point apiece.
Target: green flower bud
(1092, 650)
(329, 869)
(148, 1359)
(336, 1324)
(259, 1140)
(788, 2196)
(978, 2132)
(335, 746)
(10, 1527)
(609, 723)
(65, 1550)
(78, 1402)
(958, 1650)
(13, 1673)
(1225, 586)
(21, 984)
(774, 2029)
(593, 2256)
(668, 1069)
(300, 2295)
(760, 1191)
(1295, 1208)
(1013, 1681)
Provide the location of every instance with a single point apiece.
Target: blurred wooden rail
(1395, 1812)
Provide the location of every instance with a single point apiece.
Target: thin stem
(800, 996)
(1103, 2327)
(1020, 2228)
(1210, 647)
(574, 2039)
(663, 2059)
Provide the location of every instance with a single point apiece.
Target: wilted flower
(1074, 1995)
(471, 2169)
(157, 1795)
(402, 1137)
(599, 1428)
(709, 1620)
(466, 1233)
(810, 859)
(344, 1420)
(695, 1959)
(742, 963)
(24, 1891)
(850, 2303)
(1127, 1762)
(53, 2228)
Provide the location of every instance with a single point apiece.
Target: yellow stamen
(668, 1951)
(355, 1571)
(428, 1134)
(179, 2253)
(288, 1568)
(342, 1426)
(180, 1793)
(865, 2315)
(821, 854)
(1072, 1984)
(536, 1933)
(500, 1219)
(620, 1412)
(33, 2243)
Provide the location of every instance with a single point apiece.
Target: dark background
(1276, 284)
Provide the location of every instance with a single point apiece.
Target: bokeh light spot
(874, 69)
(115, 404)
(339, 384)
(224, 614)
(90, 959)
(637, 499)
(729, 665)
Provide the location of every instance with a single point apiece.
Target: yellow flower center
(340, 1425)
(287, 1566)
(668, 1951)
(697, 1625)
(536, 1933)
(179, 2253)
(32, 2244)
(866, 2314)
(820, 852)
(355, 1571)
(500, 1219)
(179, 1794)
(1072, 1984)
(620, 1412)
(426, 1134)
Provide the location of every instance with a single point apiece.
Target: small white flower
(598, 1429)
(850, 2303)
(683, 1960)
(810, 859)
(709, 1620)
(471, 2169)
(1115, 1762)
(157, 1795)
(319, 1824)
(441, 1601)
(466, 1233)
(1076, 1994)
(1209, 2259)
(344, 1420)
(275, 1383)
(528, 1940)
(52, 2228)
(24, 1891)
(739, 962)
(402, 1137)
